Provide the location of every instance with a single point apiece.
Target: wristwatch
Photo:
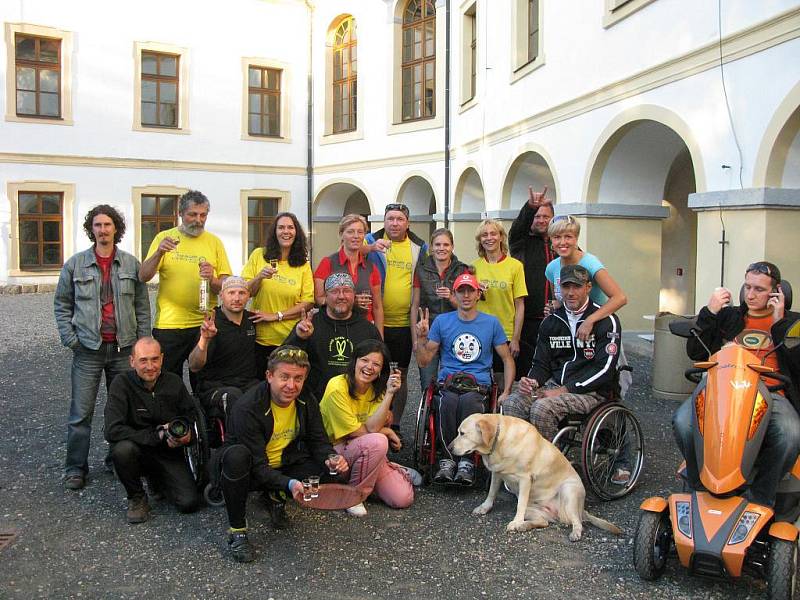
(280, 315)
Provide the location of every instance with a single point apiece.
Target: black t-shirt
(230, 360)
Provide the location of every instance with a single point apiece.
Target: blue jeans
(87, 368)
(428, 374)
(778, 453)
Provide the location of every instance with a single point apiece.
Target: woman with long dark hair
(281, 284)
(356, 413)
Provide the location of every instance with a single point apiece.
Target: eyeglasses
(396, 206)
(763, 268)
(568, 218)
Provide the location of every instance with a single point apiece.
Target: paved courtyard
(79, 545)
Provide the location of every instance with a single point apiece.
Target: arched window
(344, 76)
(419, 60)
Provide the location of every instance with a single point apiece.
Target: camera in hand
(178, 428)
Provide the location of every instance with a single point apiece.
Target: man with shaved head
(144, 413)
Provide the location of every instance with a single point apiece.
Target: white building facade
(657, 123)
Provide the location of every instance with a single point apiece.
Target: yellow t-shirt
(284, 430)
(505, 281)
(341, 413)
(397, 286)
(178, 299)
(286, 288)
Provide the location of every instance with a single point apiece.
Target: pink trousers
(371, 471)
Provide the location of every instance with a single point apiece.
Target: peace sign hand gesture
(423, 323)
(305, 328)
(209, 327)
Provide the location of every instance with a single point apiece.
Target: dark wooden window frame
(260, 220)
(264, 93)
(37, 66)
(158, 79)
(40, 218)
(345, 43)
(533, 29)
(157, 218)
(418, 26)
(473, 52)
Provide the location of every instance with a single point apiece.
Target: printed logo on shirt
(560, 341)
(339, 350)
(588, 353)
(611, 349)
(494, 284)
(755, 339)
(398, 264)
(467, 348)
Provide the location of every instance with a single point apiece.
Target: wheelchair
(425, 451)
(208, 435)
(599, 441)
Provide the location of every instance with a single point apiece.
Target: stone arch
(416, 192)
(331, 202)
(469, 195)
(778, 160)
(530, 166)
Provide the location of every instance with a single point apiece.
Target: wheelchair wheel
(612, 439)
(423, 442)
(213, 495)
(197, 451)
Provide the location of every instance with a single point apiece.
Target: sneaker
(621, 476)
(74, 482)
(240, 547)
(466, 472)
(277, 514)
(359, 510)
(446, 472)
(138, 510)
(414, 476)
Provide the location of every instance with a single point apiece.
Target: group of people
(309, 370)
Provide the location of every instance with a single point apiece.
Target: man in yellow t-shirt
(396, 251)
(275, 439)
(182, 257)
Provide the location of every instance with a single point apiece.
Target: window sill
(170, 130)
(468, 104)
(40, 120)
(613, 16)
(266, 138)
(435, 122)
(527, 68)
(335, 138)
(37, 273)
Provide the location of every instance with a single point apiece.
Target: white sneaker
(359, 510)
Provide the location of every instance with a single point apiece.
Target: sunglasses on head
(763, 268)
(289, 353)
(559, 218)
(397, 206)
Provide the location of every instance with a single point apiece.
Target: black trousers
(237, 482)
(452, 408)
(262, 358)
(167, 466)
(527, 346)
(177, 345)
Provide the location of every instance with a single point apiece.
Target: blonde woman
(503, 280)
(352, 230)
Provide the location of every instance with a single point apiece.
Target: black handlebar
(694, 374)
(785, 382)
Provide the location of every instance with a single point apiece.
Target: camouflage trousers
(546, 413)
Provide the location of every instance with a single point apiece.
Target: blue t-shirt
(589, 262)
(466, 346)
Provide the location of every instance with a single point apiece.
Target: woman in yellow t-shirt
(503, 278)
(281, 285)
(356, 413)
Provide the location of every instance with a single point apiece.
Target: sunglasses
(396, 206)
(291, 353)
(763, 268)
(568, 218)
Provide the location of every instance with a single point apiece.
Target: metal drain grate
(6, 537)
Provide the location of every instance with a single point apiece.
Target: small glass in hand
(314, 481)
(307, 490)
(333, 459)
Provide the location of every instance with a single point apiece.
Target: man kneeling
(275, 439)
(146, 412)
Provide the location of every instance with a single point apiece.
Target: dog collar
(496, 437)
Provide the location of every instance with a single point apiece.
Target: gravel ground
(79, 545)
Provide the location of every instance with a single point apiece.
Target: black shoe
(447, 469)
(466, 472)
(240, 547)
(153, 489)
(277, 513)
(74, 482)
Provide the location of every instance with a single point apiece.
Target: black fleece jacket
(534, 252)
(134, 413)
(581, 367)
(251, 423)
(718, 329)
(331, 346)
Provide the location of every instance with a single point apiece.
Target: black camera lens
(178, 428)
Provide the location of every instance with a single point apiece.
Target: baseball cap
(338, 280)
(233, 282)
(466, 279)
(574, 274)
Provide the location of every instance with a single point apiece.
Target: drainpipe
(447, 115)
(310, 130)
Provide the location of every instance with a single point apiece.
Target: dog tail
(601, 523)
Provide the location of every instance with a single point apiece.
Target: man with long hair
(101, 309)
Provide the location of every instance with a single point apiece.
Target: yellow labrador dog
(546, 485)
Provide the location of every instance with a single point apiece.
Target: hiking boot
(446, 472)
(466, 472)
(240, 547)
(138, 510)
(74, 482)
(277, 514)
(359, 510)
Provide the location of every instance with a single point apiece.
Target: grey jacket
(77, 301)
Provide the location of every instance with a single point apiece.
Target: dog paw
(574, 536)
(519, 526)
(482, 509)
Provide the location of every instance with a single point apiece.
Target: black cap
(575, 274)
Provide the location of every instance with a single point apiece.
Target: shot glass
(313, 480)
(273, 263)
(332, 459)
(307, 490)
(393, 366)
